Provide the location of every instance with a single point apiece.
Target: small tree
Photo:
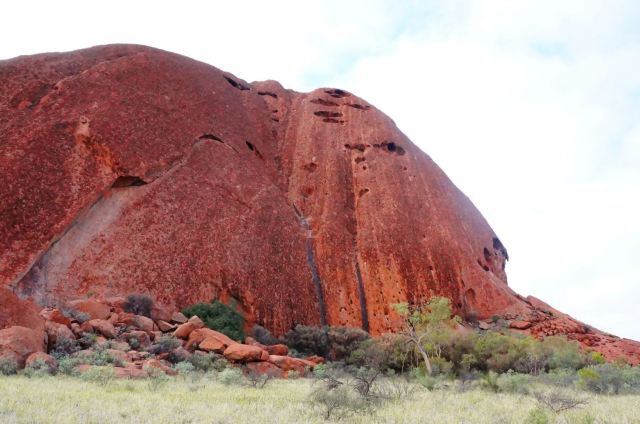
(427, 327)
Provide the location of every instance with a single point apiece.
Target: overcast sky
(531, 108)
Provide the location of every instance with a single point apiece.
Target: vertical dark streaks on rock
(313, 266)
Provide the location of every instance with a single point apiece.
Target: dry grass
(71, 400)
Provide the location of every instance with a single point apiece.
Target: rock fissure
(313, 266)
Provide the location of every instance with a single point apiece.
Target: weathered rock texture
(130, 169)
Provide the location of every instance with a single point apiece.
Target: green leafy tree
(428, 327)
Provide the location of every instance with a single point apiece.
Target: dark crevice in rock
(333, 121)
(236, 84)
(337, 93)
(487, 254)
(313, 266)
(483, 266)
(393, 148)
(360, 146)
(363, 191)
(311, 166)
(327, 114)
(324, 102)
(359, 106)
(268, 93)
(128, 181)
(254, 149)
(364, 315)
(207, 136)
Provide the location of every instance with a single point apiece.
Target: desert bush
(184, 367)
(38, 368)
(134, 343)
(165, 344)
(560, 378)
(364, 380)
(67, 365)
(428, 381)
(8, 366)
(74, 314)
(512, 382)
(102, 375)
(231, 377)
(219, 317)
(564, 354)
(64, 346)
(396, 388)
(309, 340)
(257, 380)
(387, 352)
(490, 382)
(139, 304)
(337, 402)
(157, 378)
(609, 379)
(209, 362)
(100, 357)
(537, 416)
(498, 352)
(262, 335)
(178, 355)
(344, 340)
(558, 401)
(595, 358)
(87, 340)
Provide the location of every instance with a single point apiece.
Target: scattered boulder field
(128, 340)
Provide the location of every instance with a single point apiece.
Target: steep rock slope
(130, 169)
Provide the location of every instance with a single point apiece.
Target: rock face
(130, 169)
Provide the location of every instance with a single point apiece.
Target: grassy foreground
(65, 399)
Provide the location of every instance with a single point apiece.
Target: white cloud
(529, 106)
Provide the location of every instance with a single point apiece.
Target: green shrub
(74, 314)
(134, 343)
(139, 304)
(231, 376)
(38, 368)
(262, 335)
(309, 340)
(8, 366)
(595, 358)
(87, 340)
(184, 367)
(537, 416)
(560, 378)
(337, 402)
(609, 379)
(165, 344)
(100, 357)
(490, 382)
(512, 382)
(157, 378)
(67, 365)
(219, 317)
(64, 346)
(344, 340)
(99, 375)
(209, 362)
(565, 354)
